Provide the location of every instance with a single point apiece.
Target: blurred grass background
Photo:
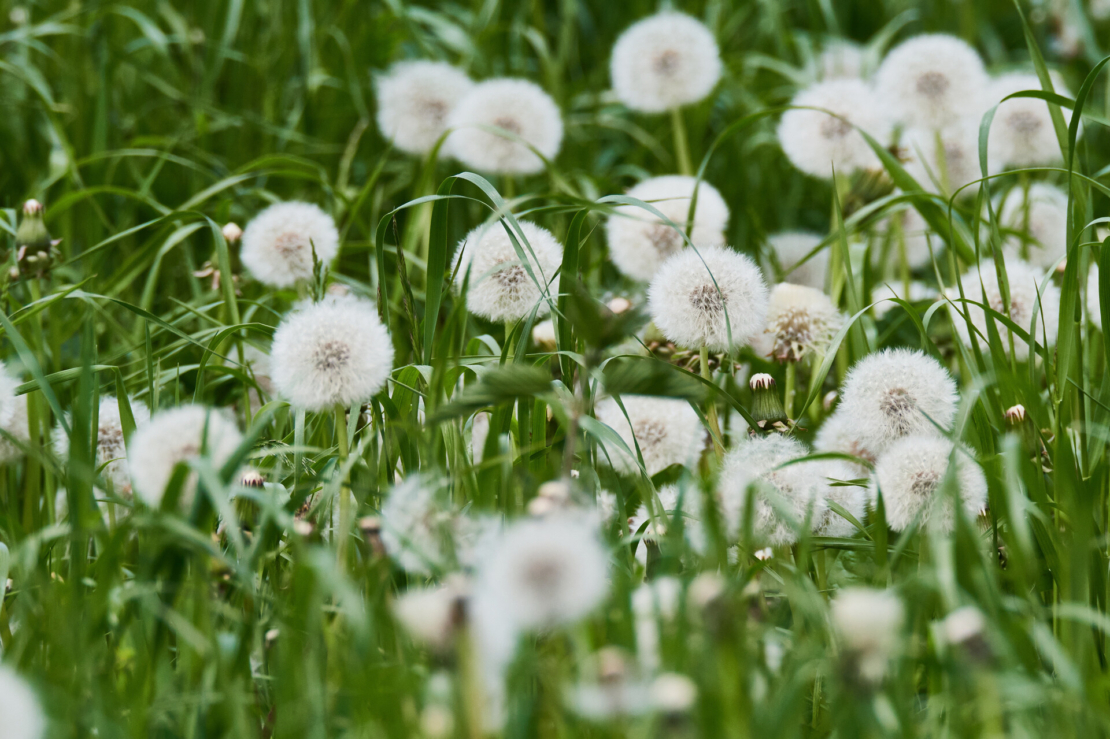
(143, 124)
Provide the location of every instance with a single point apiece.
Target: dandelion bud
(705, 589)
(767, 407)
(619, 304)
(37, 251)
(764, 554)
(1015, 415)
(271, 637)
(436, 721)
(543, 335)
(301, 527)
(673, 693)
(232, 233)
(252, 479)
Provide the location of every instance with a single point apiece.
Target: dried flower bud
(1015, 415)
(232, 233)
(252, 479)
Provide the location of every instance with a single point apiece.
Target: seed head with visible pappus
(1041, 222)
(336, 352)
(753, 467)
(639, 242)
(415, 99)
(667, 430)
(176, 435)
(1022, 133)
(895, 393)
(840, 433)
(932, 80)
(500, 288)
(712, 297)
(278, 243)
(790, 248)
(110, 447)
(981, 287)
(910, 473)
(949, 166)
(818, 143)
(852, 498)
(517, 107)
(663, 62)
(800, 320)
(545, 572)
(868, 625)
(20, 710)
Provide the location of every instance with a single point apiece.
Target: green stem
(788, 398)
(711, 406)
(344, 492)
(681, 152)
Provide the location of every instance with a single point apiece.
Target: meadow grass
(145, 127)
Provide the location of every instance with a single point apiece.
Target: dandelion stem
(344, 492)
(678, 128)
(788, 395)
(711, 406)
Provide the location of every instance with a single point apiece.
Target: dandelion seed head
(868, 624)
(1022, 133)
(894, 393)
(546, 572)
(667, 430)
(19, 706)
(840, 433)
(910, 473)
(178, 435)
(500, 288)
(639, 242)
(790, 248)
(415, 99)
(663, 62)
(416, 522)
(800, 320)
(841, 59)
(799, 488)
(110, 447)
(852, 498)
(932, 80)
(712, 297)
(817, 143)
(1024, 282)
(517, 106)
(331, 353)
(1043, 217)
(278, 243)
(12, 449)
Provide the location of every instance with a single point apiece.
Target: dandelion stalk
(788, 396)
(711, 405)
(681, 147)
(344, 491)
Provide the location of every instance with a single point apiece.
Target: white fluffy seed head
(946, 160)
(20, 709)
(817, 143)
(178, 435)
(668, 432)
(932, 80)
(894, 393)
(416, 523)
(639, 242)
(414, 101)
(1094, 304)
(515, 106)
(1024, 282)
(9, 402)
(1041, 223)
(500, 287)
(664, 61)
(840, 433)
(336, 352)
(790, 248)
(712, 297)
(910, 475)
(433, 614)
(545, 572)
(841, 59)
(868, 625)
(278, 242)
(800, 320)
(110, 447)
(798, 488)
(1022, 133)
(852, 498)
(12, 449)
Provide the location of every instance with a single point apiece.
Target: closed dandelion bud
(37, 251)
(767, 407)
(1015, 415)
(232, 233)
(252, 479)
